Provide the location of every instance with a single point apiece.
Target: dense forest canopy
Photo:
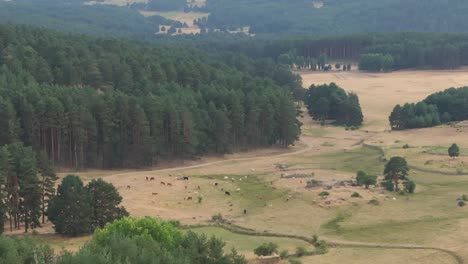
(331, 102)
(106, 103)
(447, 106)
(338, 16)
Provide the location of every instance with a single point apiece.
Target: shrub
(321, 247)
(324, 193)
(217, 218)
(461, 203)
(300, 251)
(266, 249)
(284, 254)
(200, 199)
(294, 261)
(406, 146)
(410, 186)
(374, 202)
(314, 239)
(465, 197)
(356, 195)
(389, 186)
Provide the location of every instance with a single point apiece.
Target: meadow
(425, 227)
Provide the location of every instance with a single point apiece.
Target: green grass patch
(333, 225)
(365, 159)
(315, 132)
(246, 244)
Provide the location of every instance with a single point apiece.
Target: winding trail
(332, 243)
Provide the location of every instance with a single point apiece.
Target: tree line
(331, 102)
(104, 103)
(28, 195)
(439, 108)
(146, 240)
(389, 51)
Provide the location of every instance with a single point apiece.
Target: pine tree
(47, 181)
(28, 188)
(105, 202)
(70, 209)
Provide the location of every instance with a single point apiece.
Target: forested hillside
(105, 103)
(338, 16)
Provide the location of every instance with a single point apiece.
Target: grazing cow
(189, 198)
(154, 193)
(245, 211)
(185, 178)
(147, 178)
(129, 187)
(169, 184)
(227, 193)
(152, 179)
(163, 183)
(216, 184)
(199, 187)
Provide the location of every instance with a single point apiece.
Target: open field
(271, 184)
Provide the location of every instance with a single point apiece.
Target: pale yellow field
(330, 154)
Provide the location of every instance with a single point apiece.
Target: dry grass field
(271, 184)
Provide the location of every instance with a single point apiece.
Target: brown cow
(169, 184)
(154, 193)
(163, 183)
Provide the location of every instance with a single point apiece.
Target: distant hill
(332, 17)
(260, 17)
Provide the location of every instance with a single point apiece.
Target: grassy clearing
(246, 244)
(352, 160)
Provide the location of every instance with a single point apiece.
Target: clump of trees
(27, 184)
(145, 240)
(454, 151)
(330, 102)
(365, 179)
(396, 170)
(438, 108)
(376, 62)
(77, 209)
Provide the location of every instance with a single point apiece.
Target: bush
(217, 218)
(300, 251)
(266, 249)
(356, 195)
(461, 203)
(294, 261)
(374, 202)
(410, 186)
(321, 247)
(389, 186)
(464, 197)
(406, 146)
(200, 199)
(284, 254)
(324, 193)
